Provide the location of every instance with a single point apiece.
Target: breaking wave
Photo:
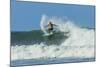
(78, 43)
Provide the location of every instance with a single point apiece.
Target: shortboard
(48, 34)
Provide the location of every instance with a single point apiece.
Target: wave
(78, 43)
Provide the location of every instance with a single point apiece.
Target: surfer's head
(50, 22)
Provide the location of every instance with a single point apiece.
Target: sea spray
(60, 22)
(43, 23)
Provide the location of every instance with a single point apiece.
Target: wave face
(73, 41)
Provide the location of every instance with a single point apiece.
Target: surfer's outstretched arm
(55, 25)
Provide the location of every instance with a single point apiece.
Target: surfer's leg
(50, 30)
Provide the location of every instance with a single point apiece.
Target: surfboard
(48, 34)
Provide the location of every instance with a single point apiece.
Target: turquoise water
(35, 36)
(29, 37)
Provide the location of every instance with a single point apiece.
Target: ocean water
(71, 44)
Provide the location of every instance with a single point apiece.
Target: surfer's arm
(55, 25)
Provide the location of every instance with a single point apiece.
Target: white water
(79, 44)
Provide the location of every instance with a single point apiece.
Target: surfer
(51, 27)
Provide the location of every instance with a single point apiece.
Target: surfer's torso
(50, 26)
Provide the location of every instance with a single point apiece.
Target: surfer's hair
(50, 22)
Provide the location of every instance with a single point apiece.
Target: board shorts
(50, 29)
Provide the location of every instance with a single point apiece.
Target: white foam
(43, 23)
(79, 44)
